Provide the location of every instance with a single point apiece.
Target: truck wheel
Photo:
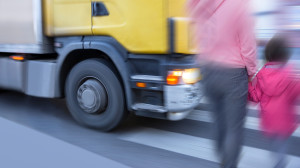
(94, 95)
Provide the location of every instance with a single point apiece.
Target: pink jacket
(276, 91)
(224, 30)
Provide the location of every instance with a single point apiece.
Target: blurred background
(274, 16)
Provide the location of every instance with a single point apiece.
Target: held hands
(252, 80)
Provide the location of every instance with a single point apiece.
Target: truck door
(139, 25)
(68, 17)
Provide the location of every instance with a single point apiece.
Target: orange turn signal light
(141, 84)
(17, 58)
(172, 80)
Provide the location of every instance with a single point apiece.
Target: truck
(107, 58)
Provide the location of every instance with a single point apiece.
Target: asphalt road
(140, 142)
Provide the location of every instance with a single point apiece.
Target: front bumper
(157, 99)
(180, 100)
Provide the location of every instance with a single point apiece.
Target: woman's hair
(276, 50)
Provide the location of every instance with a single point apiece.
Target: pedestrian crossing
(251, 122)
(203, 148)
(142, 142)
(200, 147)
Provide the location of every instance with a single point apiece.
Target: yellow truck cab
(106, 57)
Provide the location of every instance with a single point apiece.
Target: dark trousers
(279, 146)
(227, 91)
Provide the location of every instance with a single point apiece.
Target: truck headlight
(186, 76)
(191, 76)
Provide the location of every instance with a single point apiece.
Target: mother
(225, 33)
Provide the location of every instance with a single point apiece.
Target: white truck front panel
(21, 28)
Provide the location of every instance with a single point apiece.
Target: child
(276, 91)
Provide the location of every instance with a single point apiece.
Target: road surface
(28, 123)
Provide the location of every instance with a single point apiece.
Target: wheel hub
(92, 97)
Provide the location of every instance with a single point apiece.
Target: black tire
(101, 71)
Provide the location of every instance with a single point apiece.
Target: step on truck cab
(106, 57)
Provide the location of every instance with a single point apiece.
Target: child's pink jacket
(276, 91)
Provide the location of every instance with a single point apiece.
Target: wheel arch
(105, 48)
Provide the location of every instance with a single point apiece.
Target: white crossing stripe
(256, 107)
(200, 147)
(251, 122)
(251, 106)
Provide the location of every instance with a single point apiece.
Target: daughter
(276, 91)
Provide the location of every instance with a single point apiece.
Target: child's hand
(252, 80)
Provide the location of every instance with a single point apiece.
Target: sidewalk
(22, 147)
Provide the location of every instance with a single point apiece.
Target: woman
(225, 32)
